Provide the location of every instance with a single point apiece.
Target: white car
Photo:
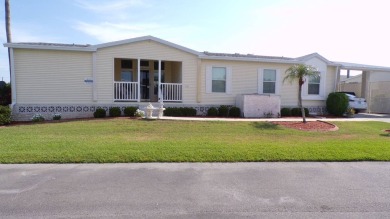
(356, 103)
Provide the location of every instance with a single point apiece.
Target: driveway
(196, 190)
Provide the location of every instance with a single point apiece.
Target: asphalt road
(196, 190)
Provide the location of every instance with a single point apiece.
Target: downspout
(94, 85)
(13, 82)
(199, 81)
(336, 80)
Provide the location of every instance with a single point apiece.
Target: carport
(374, 86)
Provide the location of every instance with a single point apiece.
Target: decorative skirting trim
(315, 110)
(24, 112)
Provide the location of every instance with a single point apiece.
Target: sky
(354, 31)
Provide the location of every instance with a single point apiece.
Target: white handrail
(125, 91)
(171, 91)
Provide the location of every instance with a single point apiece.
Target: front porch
(141, 80)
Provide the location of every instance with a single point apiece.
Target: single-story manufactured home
(75, 80)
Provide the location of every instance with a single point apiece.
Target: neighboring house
(75, 79)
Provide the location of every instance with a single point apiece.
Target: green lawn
(126, 140)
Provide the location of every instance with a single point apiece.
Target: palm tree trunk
(8, 32)
(300, 100)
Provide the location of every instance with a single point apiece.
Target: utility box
(258, 105)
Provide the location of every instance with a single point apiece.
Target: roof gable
(145, 38)
(314, 55)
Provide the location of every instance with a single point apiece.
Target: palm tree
(8, 31)
(300, 72)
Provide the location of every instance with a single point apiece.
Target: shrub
(234, 112)
(5, 115)
(180, 111)
(38, 118)
(5, 93)
(188, 111)
(297, 112)
(114, 112)
(130, 111)
(139, 113)
(307, 113)
(337, 103)
(57, 116)
(99, 113)
(285, 112)
(223, 111)
(212, 111)
(173, 111)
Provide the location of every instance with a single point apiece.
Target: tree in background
(299, 73)
(5, 93)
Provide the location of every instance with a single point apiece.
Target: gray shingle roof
(55, 44)
(238, 55)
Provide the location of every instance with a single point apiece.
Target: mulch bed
(309, 126)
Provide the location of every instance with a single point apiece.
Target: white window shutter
(229, 80)
(260, 80)
(278, 82)
(209, 78)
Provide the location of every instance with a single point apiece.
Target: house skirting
(25, 112)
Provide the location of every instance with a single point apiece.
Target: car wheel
(356, 111)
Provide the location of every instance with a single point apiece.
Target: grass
(125, 140)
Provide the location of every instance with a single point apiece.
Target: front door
(145, 85)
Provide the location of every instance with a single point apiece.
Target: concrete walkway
(361, 117)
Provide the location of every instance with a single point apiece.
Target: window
(126, 75)
(156, 65)
(126, 63)
(218, 80)
(269, 81)
(144, 63)
(314, 86)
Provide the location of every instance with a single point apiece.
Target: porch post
(159, 82)
(139, 80)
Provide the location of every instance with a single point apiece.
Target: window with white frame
(269, 81)
(314, 85)
(218, 80)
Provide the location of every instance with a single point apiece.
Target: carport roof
(362, 67)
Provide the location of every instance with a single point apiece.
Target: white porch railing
(171, 92)
(126, 91)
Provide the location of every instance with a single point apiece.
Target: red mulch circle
(309, 126)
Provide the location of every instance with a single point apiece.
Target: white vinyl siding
(50, 76)
(218, 79)
(268, 81)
